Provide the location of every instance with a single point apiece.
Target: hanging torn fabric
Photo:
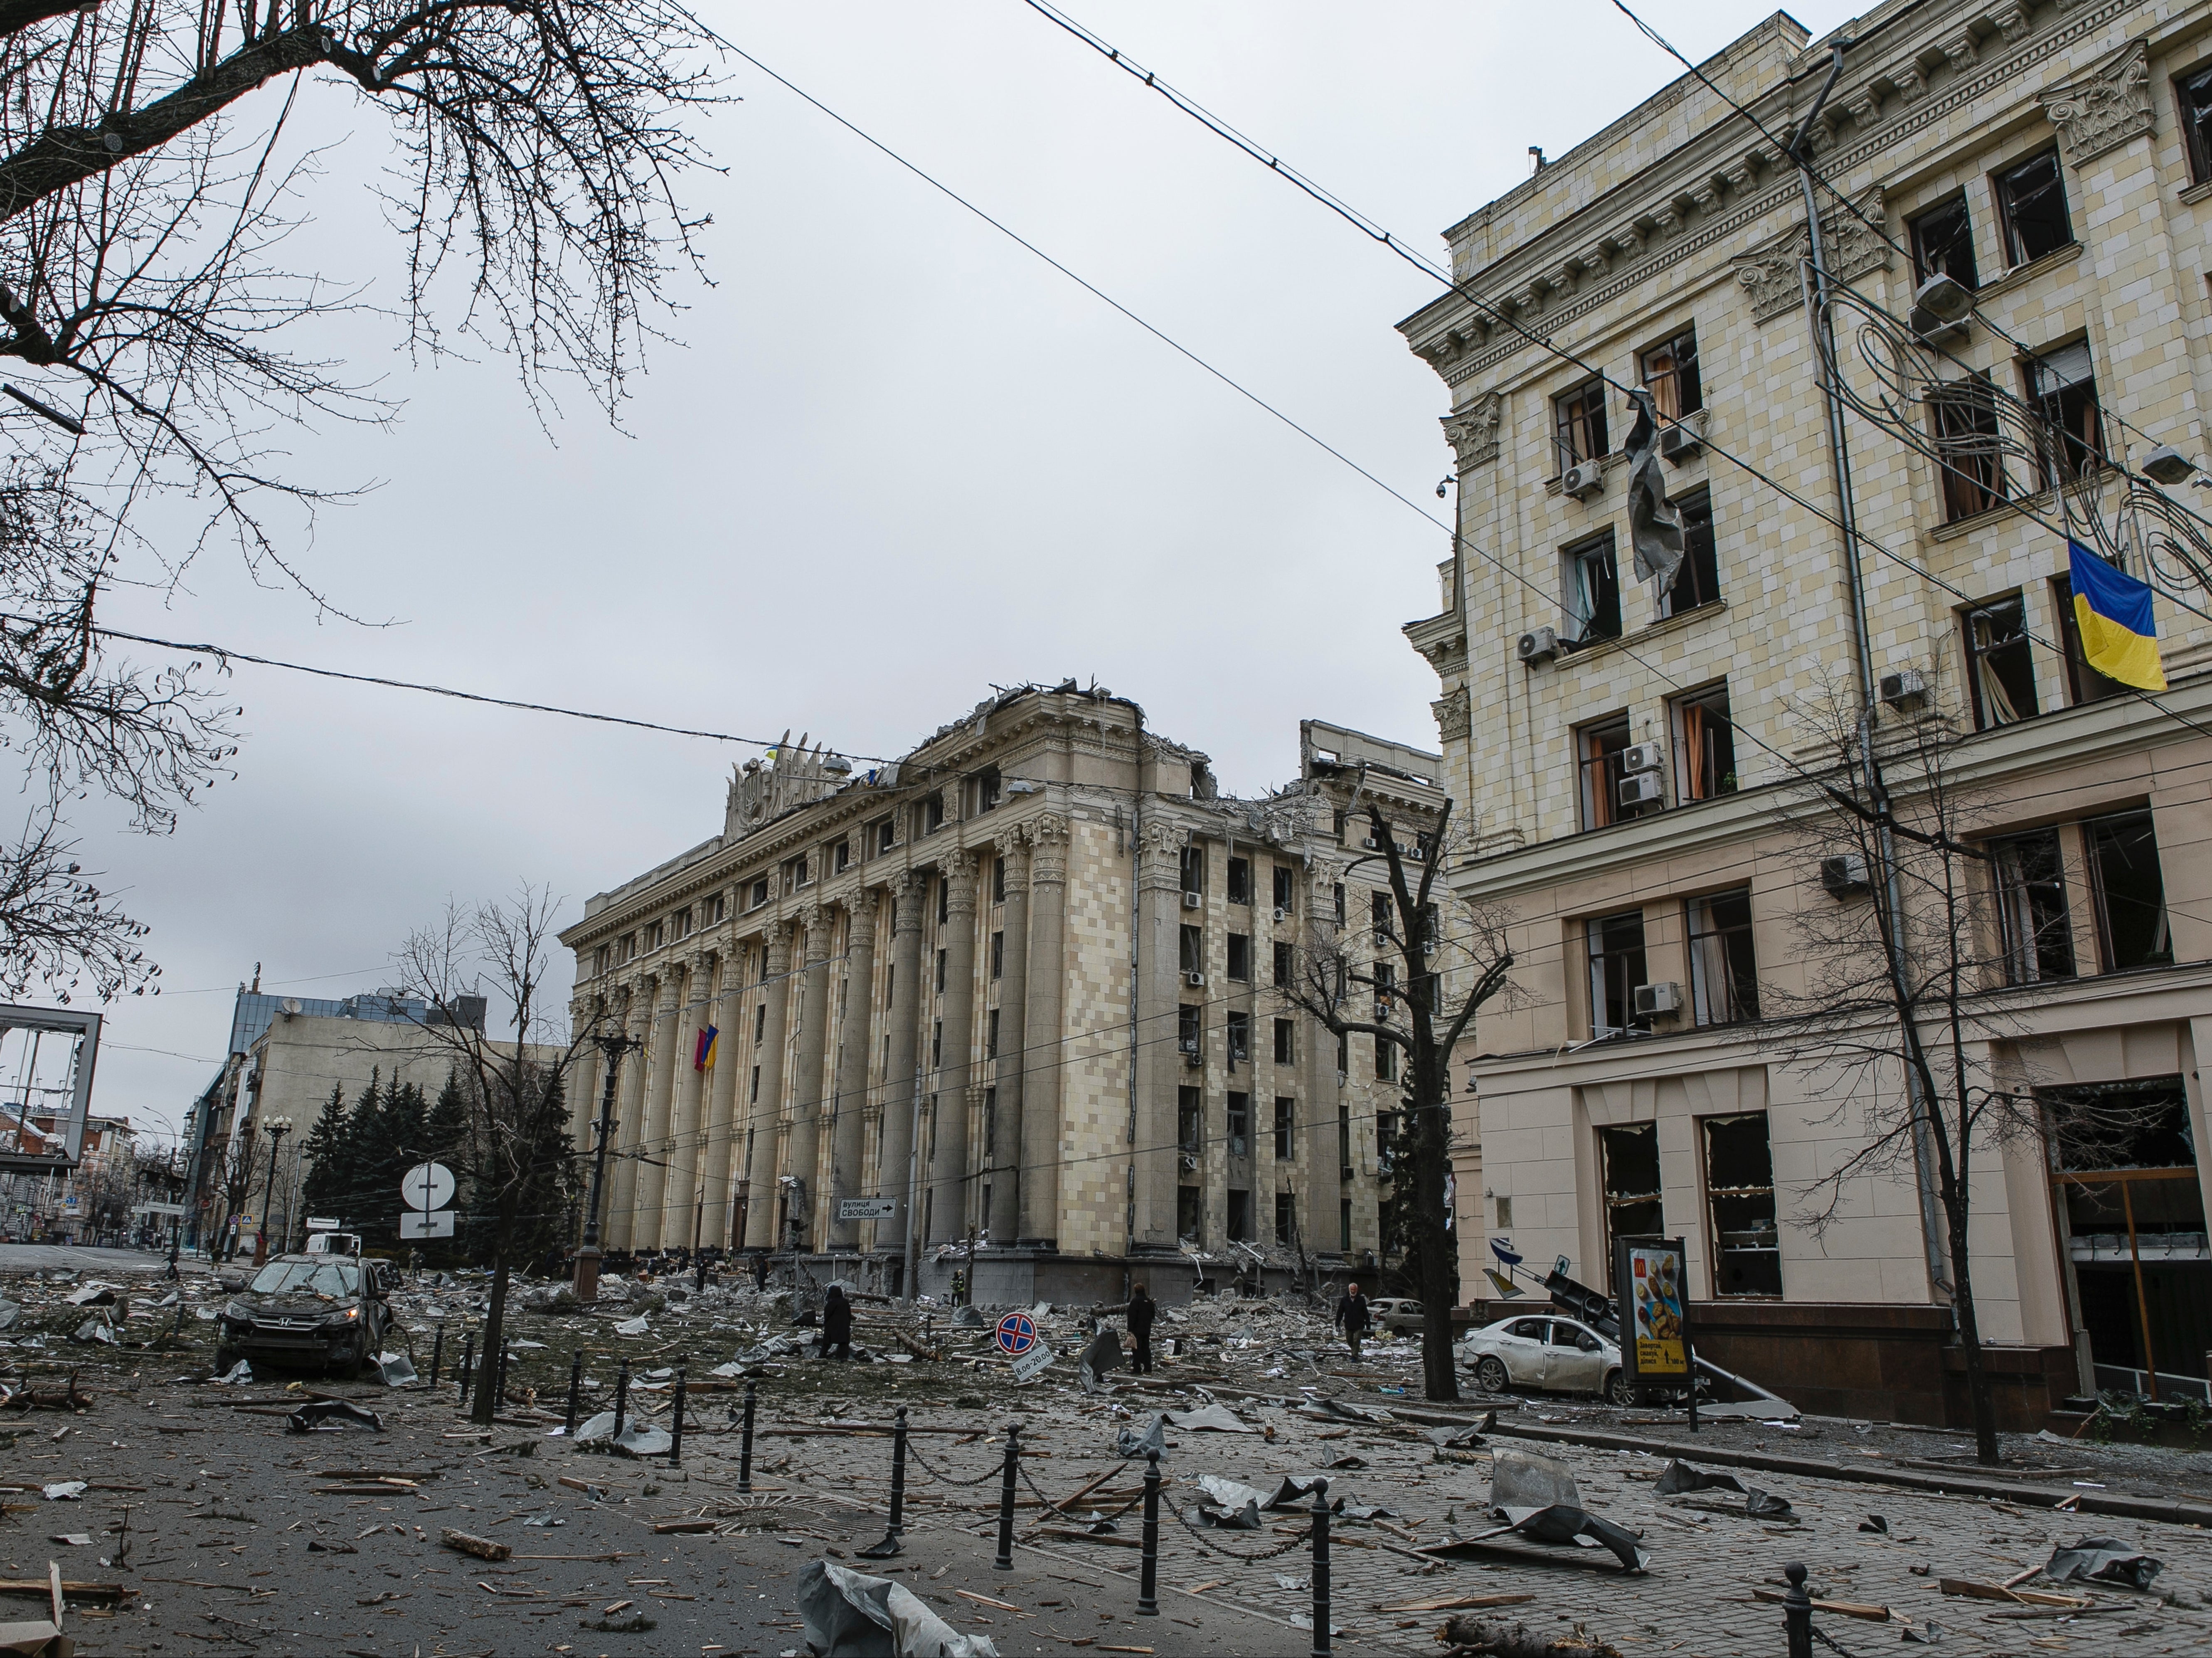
(1655, 529)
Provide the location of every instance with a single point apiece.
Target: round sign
(1017, 1334)
(428, 1185)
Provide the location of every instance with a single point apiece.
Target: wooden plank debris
(483, 1547)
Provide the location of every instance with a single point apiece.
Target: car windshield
(327, 1279)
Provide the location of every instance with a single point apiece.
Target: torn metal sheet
(849, 1614)
(398, 1370)
(2103, 1560)
(328, 1415)
(1153, 1441)
(1528, 1480)
(1213, 1418)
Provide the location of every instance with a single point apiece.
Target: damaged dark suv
(308, 1309)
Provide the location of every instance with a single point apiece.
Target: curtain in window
(1709, 984)
(1997, 705)
(1581, 593)
(1697, 772)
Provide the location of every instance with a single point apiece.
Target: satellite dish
(292, 1005)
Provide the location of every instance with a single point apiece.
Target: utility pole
(276, 1128)
(587, 1256)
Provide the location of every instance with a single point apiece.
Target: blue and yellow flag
(2112, 613)
(704, 1055)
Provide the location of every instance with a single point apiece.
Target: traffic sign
(867, 1208)
(428, 1185)
(420, 1223)
(1033, 1363)
(1017, 1334)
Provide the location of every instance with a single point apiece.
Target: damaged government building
(1025, 972)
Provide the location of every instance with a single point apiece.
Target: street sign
(420, 1223)
(867, 1208)
(1017, 1334)
(322, 1223)
(170, 1209)
(428, 1185)
(1033, 1363)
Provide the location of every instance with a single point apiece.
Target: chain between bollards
(622, 1397)
(575, 1387)
(1320, 1572)
(746, 1445)
(468, 1364)
(1797, 1613)
(437, 1353)
(676, 1427)
(1148, 1580)
(1005, 1560)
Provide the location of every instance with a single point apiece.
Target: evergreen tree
(326, 1154)
(542, 1221)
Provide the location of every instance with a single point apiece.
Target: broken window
(2130, 891)
(1628, 1163)
(1724, 969)
(684, 922)
(1240, 956)
(1186, 1028)
(1697, 580)
(998, 955)
(759, 894)
(1286, 1116)
(1590, 585)
(2000, 673)
(2192, 98)
(1704, 745)
(1379, 915)
(991, 1035)
(1188, 1227)
(941, 955)
(1597, 754)
(1740, 1193)
(1287, 1218)
(1239, 1025)
(1337, 893)
(1285, 891)
(933, 812)
(2033, 929)
(998, 880)
(1344, 1136)
(2083, 683)
(1385, 1059)
(1193, 942)
(1386, 1142)
(1343, 1224)
(1578, 424)
(1194, 869)
(1190, 1122)
(1670, 374)
(1943, 243)
(1283, 1027)
(1615, 944)
(760, 1023)
(985, 786)
(2032, 201)
(1240, 880)
(2062, 385)
(885, 835)
(1240, 1217)
(990, 1133)
(1239, 1125)
(840, 857)
(944, 901)
(1969, 447)
(1284, 969)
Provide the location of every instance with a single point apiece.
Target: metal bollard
(1321, 1573)
(437, 1353)
(746, 1445)
(499, 1378)
(1005, 1560)
(622, 1397)
(1797, 1613)
(891, 1547)
(468, 1363)
(676, 1427)
(1148, 1580)
(575, 1388)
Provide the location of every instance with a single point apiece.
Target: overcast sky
(896, 458)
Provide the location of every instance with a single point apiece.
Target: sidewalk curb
(2044, 1496)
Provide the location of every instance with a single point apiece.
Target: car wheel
(1617, 1391)
(224, 1358)
(1490, 1373)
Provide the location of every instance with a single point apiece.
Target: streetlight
(587, 1288)
(276, 1128)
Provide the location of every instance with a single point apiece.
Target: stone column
(694, 1014)
(620, 1221)
(763, 1114)
(949, 1167)
(1004, 1151)
(660, 1091)
(1041, 1056)
(1324, 1160)
(849, 1114)
(723, 1130)
(1160, 1068)
(806, 1076)
(908, 894)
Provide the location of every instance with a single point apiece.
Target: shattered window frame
(1747, 1237)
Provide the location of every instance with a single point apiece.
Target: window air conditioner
(1644, 788)
(1540, 645)
(1664, 998)
(1195, 1060)
(1193, 901)
(1586, 478)
(1282, 915)
(1194, 979)
(1906, 685)
(1843, 875)
(1371, 843)
(1679, 443)
(1643, 757)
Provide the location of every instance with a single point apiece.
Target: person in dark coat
(759, 1270)
(836, 1325)
(1352, 1317)
(1142, 1309)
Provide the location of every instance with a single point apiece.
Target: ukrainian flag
(703, 1055)
(2112, 613)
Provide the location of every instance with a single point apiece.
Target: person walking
(1352, 1317)
(836, 1325)
(1142, 1309)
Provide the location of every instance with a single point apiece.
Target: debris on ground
(2103, 1560)
(1466, 1635)
(483, 1547)
(856, 1616)
(330, 1415)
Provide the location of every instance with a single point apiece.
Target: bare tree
(534, 152)
(1413, 985)
(1917, 975)
(515, 1086)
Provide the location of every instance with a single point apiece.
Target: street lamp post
(613, 1047)
(276, 1128)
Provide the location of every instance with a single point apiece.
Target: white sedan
(1544, 1351)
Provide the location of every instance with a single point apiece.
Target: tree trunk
(1432, 1150)
(1980, 1396)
